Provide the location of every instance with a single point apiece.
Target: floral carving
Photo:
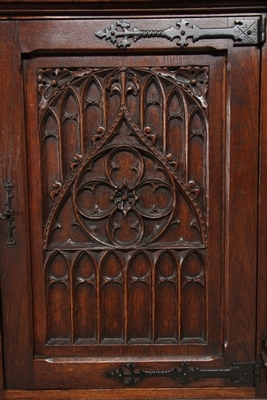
(51, 81)
(125, 198)
(193, 79)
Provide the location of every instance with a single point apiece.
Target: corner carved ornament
(52, 81)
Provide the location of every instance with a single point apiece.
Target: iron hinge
(262, 30)
(8, 214)
(239, 374)
(264, 351)
(245, 32)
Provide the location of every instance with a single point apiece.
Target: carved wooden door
(142, 236)
(125, 186)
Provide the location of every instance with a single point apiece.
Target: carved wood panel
(132, 234)
(124, 151)
(126, 214)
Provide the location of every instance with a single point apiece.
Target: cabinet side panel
(15, 277)
(241, 202)
(262, 264)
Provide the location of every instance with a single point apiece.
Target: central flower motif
(132, 201)
(125, 198)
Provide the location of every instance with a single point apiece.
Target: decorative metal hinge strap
(244, 32)
(264, 351)
(238, 373)
(8, 214)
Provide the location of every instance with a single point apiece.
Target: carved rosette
(129, 204)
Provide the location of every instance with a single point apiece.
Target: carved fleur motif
(52, 80)
(124, 82)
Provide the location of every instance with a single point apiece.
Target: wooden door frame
(9, 150)
(1, 362)
(262, 227)
(15, 268)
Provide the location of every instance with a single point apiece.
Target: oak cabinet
(133, 146)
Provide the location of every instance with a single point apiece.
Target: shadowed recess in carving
(58, 305)
(84, 299)
(125, 204)
(167, 294)
(126, 201)
(193, 297)
(117, 297)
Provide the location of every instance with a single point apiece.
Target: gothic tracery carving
(124, 143)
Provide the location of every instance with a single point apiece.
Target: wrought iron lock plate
(243, 33)
(8, 214)
(239, 374)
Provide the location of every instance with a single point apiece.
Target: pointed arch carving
(122, 83)
(121, 195)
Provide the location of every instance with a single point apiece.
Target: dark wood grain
(15, 263)
(262, 267)
(132, 331)
(212, 393)
(79, 35)
(136, 201)
(1, 363)
(241, 211)
(37, 9)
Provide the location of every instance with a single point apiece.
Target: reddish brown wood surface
(241, 214)
(15, 263)
(196, 325)
(1, 363)
(33, 9)
(262, 276)
(142, 192)
(128, 394)
(72, 36)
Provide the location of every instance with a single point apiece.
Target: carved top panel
(124, 153)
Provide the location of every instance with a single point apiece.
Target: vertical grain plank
(262, 232)
(1, 362)
(15, 274)
(241, 202)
